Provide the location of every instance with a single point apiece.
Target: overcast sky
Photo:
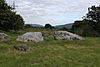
(55, 12)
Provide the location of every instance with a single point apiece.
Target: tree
(48, 26)
(9, 20)
(94, 15)
(90, 25)
(19, 23)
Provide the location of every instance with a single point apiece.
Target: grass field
(52, 53)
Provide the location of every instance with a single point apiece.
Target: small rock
(21, 47)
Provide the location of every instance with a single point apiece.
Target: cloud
(52, 11)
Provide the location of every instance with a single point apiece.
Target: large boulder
(3, 37)
(65, 35)
(31, 36)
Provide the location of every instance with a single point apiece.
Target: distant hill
(36, 25)
(68, 26)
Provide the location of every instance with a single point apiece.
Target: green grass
(52, 53)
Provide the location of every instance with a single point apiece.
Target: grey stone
(21, 47)
(31, 36)
(3, 37)
(65, 35)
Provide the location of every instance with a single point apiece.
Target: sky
(54, 12)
